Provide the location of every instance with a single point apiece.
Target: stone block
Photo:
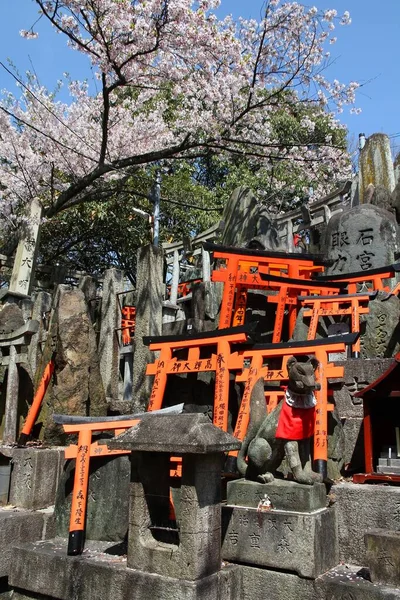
(149, 298)
(305, 543)
(275, 585)
(102, 575)
(107, 513)
(18, 526)
(346, 583)
(361, 507)
(284, 495)
(383, 556)
(35, 476)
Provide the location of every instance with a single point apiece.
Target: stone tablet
(362, 238)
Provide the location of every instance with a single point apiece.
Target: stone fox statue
(286, 431)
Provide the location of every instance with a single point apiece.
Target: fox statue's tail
(258, 412)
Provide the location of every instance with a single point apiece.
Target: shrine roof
(188, 433)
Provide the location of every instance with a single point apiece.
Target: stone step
(18, 526)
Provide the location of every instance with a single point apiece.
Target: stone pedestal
(284, 495)
(305, 543)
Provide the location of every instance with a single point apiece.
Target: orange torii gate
(260, 354)
(353, 305)
(241, 273)
(288, 291)
(221, 360)
(376, 278)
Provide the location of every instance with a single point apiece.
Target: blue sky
(366, 51)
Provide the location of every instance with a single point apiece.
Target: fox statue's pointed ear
(314, 362)
(291, 361)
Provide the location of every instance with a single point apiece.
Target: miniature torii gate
(221, 360)
(353, 305)
(241, 272)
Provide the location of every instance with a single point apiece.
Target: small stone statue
(286, 431)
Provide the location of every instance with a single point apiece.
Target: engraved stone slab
(302, 542)
(362, 238)
(284, 495)
(383, 556)
(35, 476)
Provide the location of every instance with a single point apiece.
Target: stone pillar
(25, 258)
(41, 313)
(375, 164)
(396, 166)
(109, 341)
(11, 413)
(149, 298)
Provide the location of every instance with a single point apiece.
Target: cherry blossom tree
(176, 83)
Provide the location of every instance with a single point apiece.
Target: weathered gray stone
(380, 196)
(105, 576)
(360, 508)
(383, 556)
(248, 221)
(358, 374)
(88, 285)
(361, 238)
(35, 476)
(11, 318)
(284, 495)
(375, 164)
(354, 444)
(107, 513)
(282, 540)
(78, 388)
(347, 583)
(108, 340)
(19, 526)
(395, 198)
(381, 338)
(41, 313)
(262, 583)
(149, 297)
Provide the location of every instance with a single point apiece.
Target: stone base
(284, 495)
(35, 476)
(361, 507)
(383, 556)
(18, 526)
(100, 574)
(305, 543)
